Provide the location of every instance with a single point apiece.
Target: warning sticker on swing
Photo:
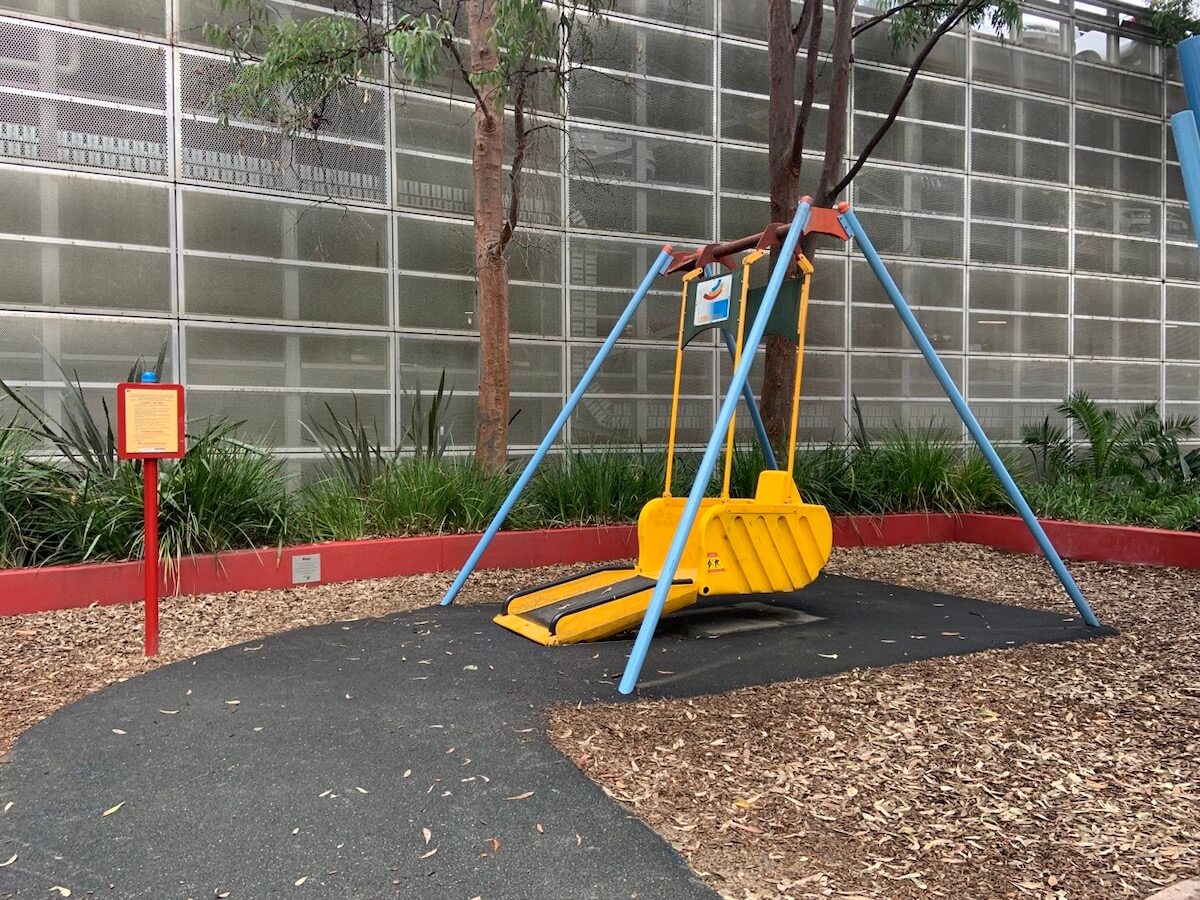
(712, 300)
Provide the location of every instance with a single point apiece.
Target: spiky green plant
(1118, 501)
(748, 462)
(972, 485)
(430, 496)
(331, 510)
(28, 487)
(596, 487)
(426, 432)
(1137, 444)
(353, 451)
(1050, 448)
(859, 436)
(80, 436)
(826, 476)
(910, 468)
(221, 495)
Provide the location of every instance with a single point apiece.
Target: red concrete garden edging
(68, 587)
(1073, 540)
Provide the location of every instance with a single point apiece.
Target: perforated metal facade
(1028, 197)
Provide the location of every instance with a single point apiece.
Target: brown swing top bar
(820, 221)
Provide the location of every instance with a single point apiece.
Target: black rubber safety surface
(323, 754)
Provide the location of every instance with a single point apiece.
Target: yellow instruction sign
(152, 420)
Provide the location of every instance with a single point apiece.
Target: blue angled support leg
(1187, 148)
(716, 442)
(850, 221)
(1184, 125)
(656, 269)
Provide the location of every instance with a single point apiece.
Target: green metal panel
(785, 314)
(717, 306)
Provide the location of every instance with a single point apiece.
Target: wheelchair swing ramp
(771, 543)
(587, 607)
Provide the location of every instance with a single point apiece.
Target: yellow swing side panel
(774, 543)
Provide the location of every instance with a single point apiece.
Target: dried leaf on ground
(1080, 770)
(973, 776)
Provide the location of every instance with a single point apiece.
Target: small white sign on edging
(306, 568)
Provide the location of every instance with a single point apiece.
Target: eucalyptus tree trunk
(780, 367)
(786, 134)
(831, 183)
(491, 266)
(787, 128)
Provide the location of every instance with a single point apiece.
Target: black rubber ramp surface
(311, 763)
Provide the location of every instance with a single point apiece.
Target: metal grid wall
(1044, 237)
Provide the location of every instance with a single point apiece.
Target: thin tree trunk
(780, 369)
(781, 111)
(782, 46)
(839, 96)
(491, 267)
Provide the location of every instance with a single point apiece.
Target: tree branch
(465, 70)
(892, 11)
(518, 160)
(961, 10)
(839, 99)
(521, 136)
(800, 29)
(810, 86)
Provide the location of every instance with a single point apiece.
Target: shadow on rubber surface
(324, 754)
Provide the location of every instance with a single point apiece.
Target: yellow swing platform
(772, 542)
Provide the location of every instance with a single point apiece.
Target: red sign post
(150, 427)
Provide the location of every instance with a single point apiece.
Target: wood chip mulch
(1067, 771)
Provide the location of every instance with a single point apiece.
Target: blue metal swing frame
(738, 389)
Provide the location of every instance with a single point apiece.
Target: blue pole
(716, 442)
(1187, 146)
(656, 269)
(755, 416)
(960, 405)
(1189, 70)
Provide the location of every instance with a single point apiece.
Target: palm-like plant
(1138, 445)
(1050, 448)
